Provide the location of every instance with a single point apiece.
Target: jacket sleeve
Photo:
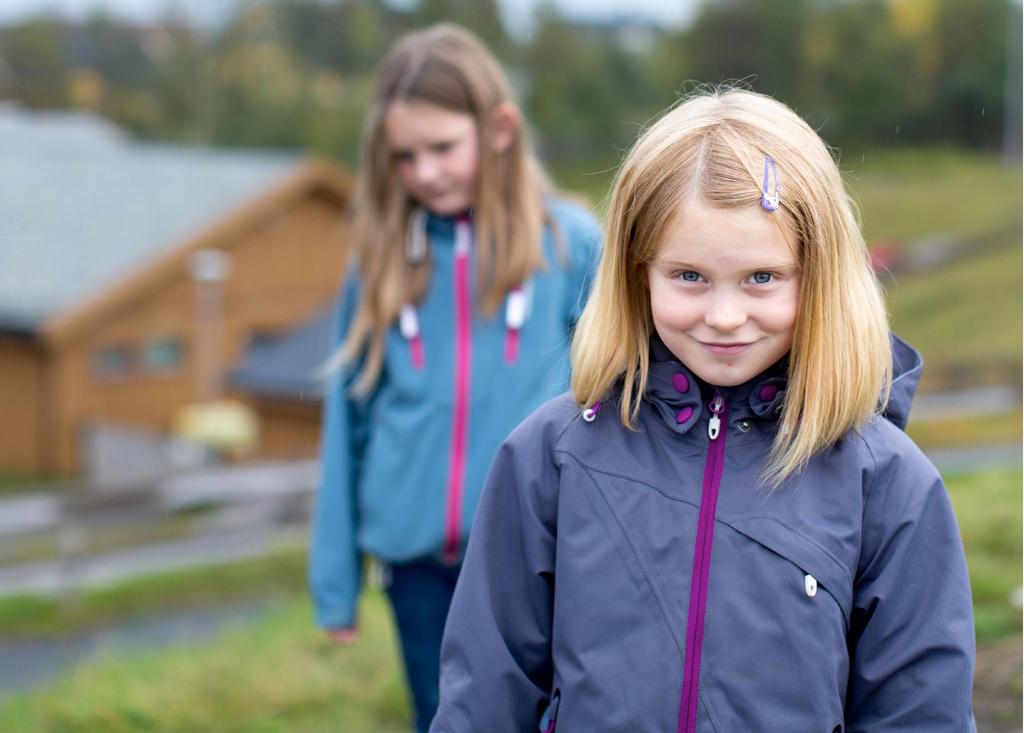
(496, 665)
(912, 626)
(335, 565)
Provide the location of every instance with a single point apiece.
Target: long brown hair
(449, 67)
(713, 146)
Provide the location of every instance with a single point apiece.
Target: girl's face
(436, 154)
(724, 292)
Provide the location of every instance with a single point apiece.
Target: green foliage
(38, 63)
(988, 509)
(762, 40)
(295, 73)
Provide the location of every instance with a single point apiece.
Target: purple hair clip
(770, 201)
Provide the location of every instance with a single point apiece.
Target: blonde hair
(712, 147)
(447, 66)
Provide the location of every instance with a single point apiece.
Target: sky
(517, 13)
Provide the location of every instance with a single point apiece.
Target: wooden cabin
(134, 278)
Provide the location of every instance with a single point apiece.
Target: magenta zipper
(460, 416)
(713, 466)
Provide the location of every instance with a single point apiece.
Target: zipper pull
(715, 423)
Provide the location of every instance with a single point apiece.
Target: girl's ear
(506, 121)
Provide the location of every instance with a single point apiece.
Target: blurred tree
(761, 41)
(114, 51)
(345, 36)
(38, 62)
(258, 85)
(970, 41)
(297, 73)
(180, 87)
(858, 75)
(595, 97)
(481, 16)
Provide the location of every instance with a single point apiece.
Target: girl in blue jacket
(733, 533)
(453, 326)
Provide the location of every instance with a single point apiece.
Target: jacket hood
(906, 373)
(679, 395)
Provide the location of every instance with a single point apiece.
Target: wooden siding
(288, 430)
(21, 396)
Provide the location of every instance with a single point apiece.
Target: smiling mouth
(726, 349)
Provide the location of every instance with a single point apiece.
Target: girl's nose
(426, 169)
(724, 314)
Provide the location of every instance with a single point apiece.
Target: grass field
(281, 675)
(988, 508)
(282, 574)
(907, 194)
(278, 674)
(966, 313)
(967, 431)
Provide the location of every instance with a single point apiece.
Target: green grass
(279, 674)
(988, 508)
(967, 431)
(966, 313)
(14, 483)
(907, 194)
(283, 573)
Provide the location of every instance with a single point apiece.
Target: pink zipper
(703, 544)
(460, 418)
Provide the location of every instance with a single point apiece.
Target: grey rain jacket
(647, 581)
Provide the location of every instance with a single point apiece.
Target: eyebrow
(427, 144)
(681, 264)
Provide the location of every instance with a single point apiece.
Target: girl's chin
(447, 205)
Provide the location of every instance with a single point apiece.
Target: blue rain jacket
(388, 461)
(601, 558)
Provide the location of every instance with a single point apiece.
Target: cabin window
(112, 362)
(261, 338)
(163, 354)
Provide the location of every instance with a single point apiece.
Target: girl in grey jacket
(733, 533)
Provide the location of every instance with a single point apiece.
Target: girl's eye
(402, 156)
(689, 276)
(761, 278)
(442, 147)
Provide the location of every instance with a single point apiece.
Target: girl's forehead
(740, 237)
(411, 122)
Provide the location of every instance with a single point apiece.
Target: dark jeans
(420, 594)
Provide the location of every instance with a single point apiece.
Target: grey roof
(288, 366)
(82, 205)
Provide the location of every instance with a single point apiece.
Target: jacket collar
(681, 398)
(442, 228)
